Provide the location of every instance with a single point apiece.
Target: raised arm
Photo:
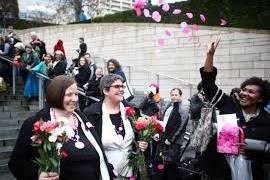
(208, 65)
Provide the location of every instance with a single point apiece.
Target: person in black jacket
(81, 77)
(83, 47)
(111, 123)
(93, 86)
(59, 65)
(86, 161)
(253, 119)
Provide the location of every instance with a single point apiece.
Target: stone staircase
(13, 111)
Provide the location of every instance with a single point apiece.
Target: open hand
(212, 46)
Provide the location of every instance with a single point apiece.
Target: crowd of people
(104, 132)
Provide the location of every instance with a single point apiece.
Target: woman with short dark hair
(115, 130)
(86, 159)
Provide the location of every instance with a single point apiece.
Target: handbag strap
(217, 97)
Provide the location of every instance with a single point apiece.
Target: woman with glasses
(109, 119)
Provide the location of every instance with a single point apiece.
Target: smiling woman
(114, 128)
(84, 156)
(248, 107)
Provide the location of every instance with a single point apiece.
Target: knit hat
(19, 45)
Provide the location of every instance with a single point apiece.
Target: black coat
(58, 69)
(257, 128)
(149, 107)
(83, 76)
(21, 161)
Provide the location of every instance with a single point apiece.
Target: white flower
(69, 131)
(62, 121)
(58, 146)
(52, 138)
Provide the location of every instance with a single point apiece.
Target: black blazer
(21, 161)
(59, 69)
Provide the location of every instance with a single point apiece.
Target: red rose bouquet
(146, 128)
(49, 137)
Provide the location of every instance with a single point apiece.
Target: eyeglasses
(117, 86)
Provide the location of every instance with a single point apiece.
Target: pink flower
(63, 154)
(160, 2)
(160, 166)
(202, 17)
(141, 123)
(189, 15)
(166, 7)
(223, 22)
(176, 11)
(37, 126)
(130, 111)
(156, 16)
(138, 6)
(183, 24)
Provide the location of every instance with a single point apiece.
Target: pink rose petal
(160, 2)
(190, 39)
(189, 15)
(138, 6)
(160, 166)
(195, 27)
(185, 30)
(183, 24)
(146, 13)
(202, 17)
(156, 16)
(223, 22)
(161, 42)
(166, 7)
(176, 11)
(168, 32)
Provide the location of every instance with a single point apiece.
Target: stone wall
(241, 53)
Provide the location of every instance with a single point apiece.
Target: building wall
(241, 53)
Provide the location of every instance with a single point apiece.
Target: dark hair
(107, 80)
(47, 54)
(199, 86)
(178, 89)
(235, 90)
(85, 60)
(56, 89)
(81, 38)
(115, 62)
(264, 87)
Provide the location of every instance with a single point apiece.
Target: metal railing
(139, 78)
(41, 77)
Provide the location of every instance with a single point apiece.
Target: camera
(258, 146)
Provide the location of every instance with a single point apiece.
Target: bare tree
(94, 7)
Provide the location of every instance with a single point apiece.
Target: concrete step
(15, 115)
(13, 108)
(11, 97)
(7, 141)
(4, 168)
(5, 153)
(9, 131)
(9, 122)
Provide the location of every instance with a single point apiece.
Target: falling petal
(161, 42)
(183, 24)
(176, 11)
(185, 30)
(198, 44)
(157, 53)
(138, 6)
(166, 7)
(195, 27)
(168, 32)
(202, 17)
(156, 16)
(223, 22)
(161, 2)
(189, 15)
(146, 13)
(190, 38)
